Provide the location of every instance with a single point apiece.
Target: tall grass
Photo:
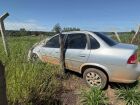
(131, 96)
(28, 83)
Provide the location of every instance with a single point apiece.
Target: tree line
(27, 33)
(57, 28)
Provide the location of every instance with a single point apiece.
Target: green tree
(133, 31)
(23, 32)
(57, 28)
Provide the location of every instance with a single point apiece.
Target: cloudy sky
(98, 15)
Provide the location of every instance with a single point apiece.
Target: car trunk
(129, 51)
(126, 46)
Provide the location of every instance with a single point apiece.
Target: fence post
(2, 29)
(117, 36)
(62, 52)
(137, 32)
(3, 96)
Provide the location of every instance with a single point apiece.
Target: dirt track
(73, 85)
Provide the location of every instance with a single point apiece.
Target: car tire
(95, 78)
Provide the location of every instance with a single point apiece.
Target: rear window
(106, 39)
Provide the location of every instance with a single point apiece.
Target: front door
(50, 50)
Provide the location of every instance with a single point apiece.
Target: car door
(56, 53)
(77, 51)
(51, 52)
(49, 49)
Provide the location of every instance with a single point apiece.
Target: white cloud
(30, 25)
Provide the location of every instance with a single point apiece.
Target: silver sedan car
(97, 57)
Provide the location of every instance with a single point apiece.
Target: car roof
(72, 32)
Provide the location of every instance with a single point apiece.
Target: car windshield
(106, 39)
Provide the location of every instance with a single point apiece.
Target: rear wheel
(95, 78)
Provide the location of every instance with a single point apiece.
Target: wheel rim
(93, 79)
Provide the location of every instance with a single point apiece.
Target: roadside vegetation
(94, 96)
(28, 83)
(39, 84)
(131, 96)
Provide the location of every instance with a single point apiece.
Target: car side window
(76, 41)
(53, 43)
(94, 44)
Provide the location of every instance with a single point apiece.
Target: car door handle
(56, 52)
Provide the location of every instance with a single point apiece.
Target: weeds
(130, 95)
(94, 96)
(28, 83)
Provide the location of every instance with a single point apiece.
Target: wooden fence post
(117, 36)
(3, 96)
(137, 32)
(2, 29)
(62, 52)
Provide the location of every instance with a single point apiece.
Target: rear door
(77, 51)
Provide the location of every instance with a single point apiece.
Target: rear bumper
(135, 72)
(128, 75)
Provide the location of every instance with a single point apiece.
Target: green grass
(94, 96)
(131, 96)
(28, 83)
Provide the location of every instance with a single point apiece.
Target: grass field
(32, 83)
(28, 83)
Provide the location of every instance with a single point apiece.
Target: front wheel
(34, 57)
(95, 78)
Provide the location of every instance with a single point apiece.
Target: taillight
(132, 59)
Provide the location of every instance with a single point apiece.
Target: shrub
(130, 95)
(94, 96)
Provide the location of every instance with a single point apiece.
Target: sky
(93, 15)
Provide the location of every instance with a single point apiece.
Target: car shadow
(70, 72)
(123, 85)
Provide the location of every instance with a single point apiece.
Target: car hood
(125, 46)
(40, 43)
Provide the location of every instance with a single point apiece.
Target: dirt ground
(73, 85)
